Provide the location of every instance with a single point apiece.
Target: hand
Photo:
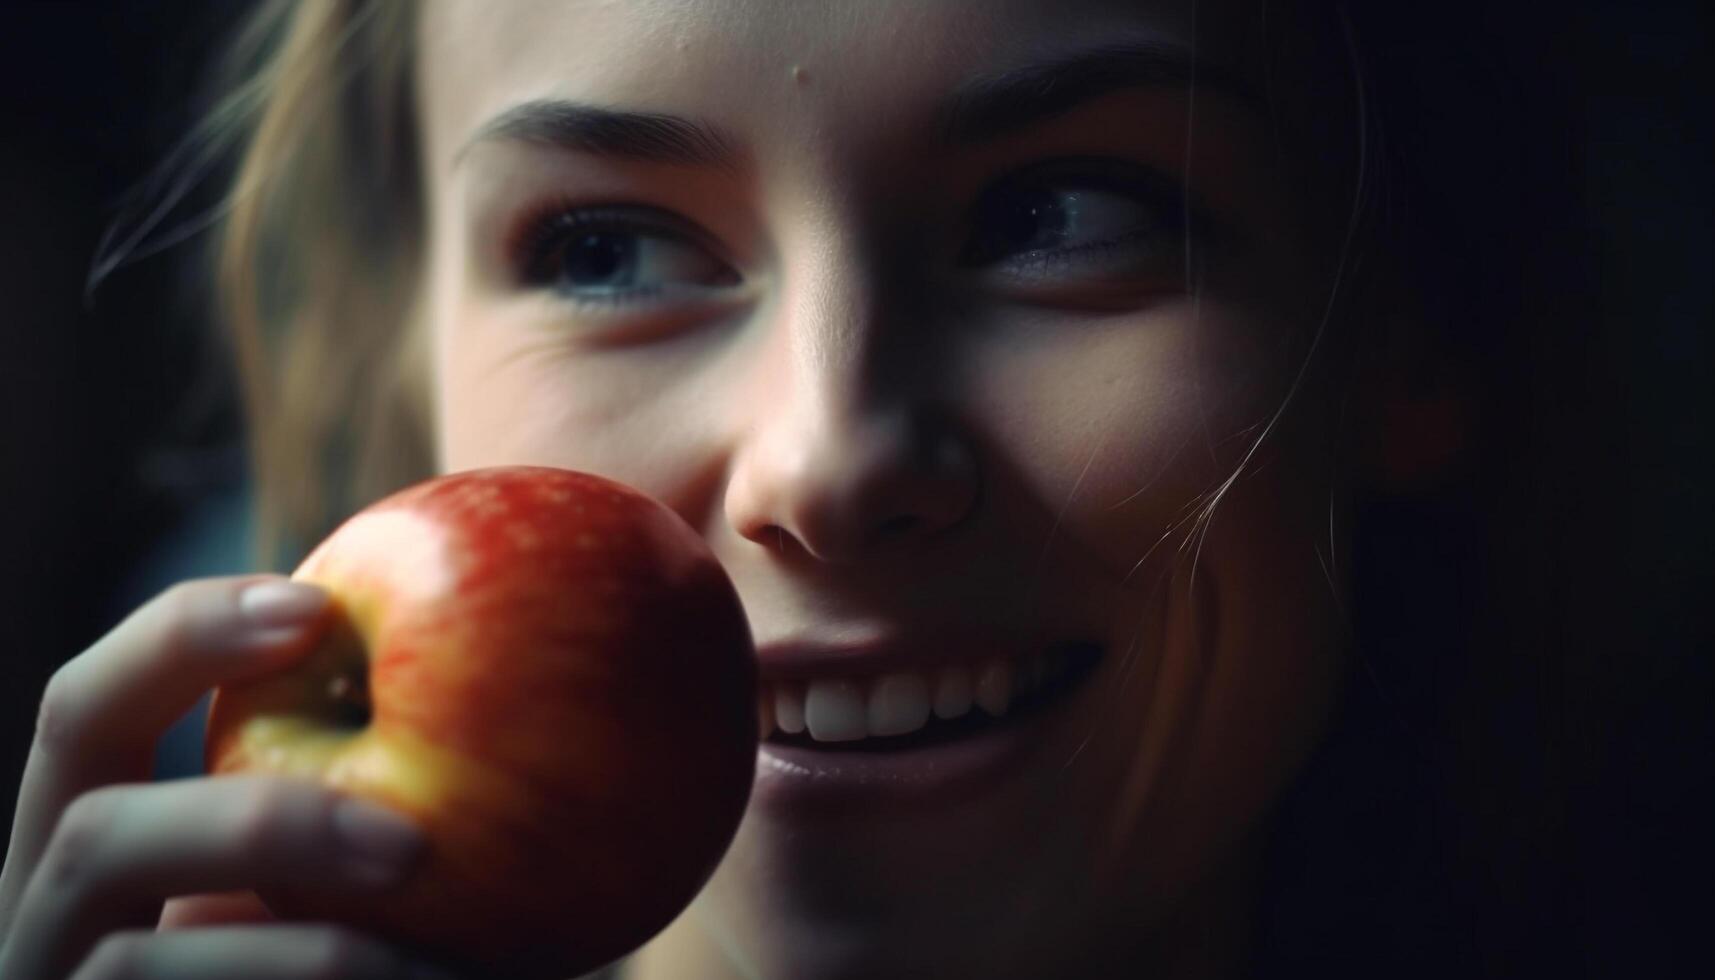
(97, 851)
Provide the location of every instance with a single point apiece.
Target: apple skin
(561, 692)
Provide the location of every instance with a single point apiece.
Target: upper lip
(800, 657)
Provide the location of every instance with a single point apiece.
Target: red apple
(553, 676)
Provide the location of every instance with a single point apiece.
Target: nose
(841, 464)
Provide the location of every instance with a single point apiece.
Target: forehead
(780, 70)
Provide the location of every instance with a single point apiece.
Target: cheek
(516, 390)
(1122, 426)
(1229, 629)
(494, 401)
(1235, 695)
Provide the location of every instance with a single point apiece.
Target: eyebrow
(1019, 98)
(641, 136)
(983, 109)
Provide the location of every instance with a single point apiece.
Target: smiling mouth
(850, 715)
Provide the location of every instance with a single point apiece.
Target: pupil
(1031, 219)
(600, 259)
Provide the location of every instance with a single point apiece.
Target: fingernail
(281, 602)
(382, 844)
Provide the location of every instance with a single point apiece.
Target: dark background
(1568, 570)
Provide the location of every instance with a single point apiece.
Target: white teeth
(953, 692)
(835, 710)
(994, 687)
(846, 709)
(898, 703)
(789, 707)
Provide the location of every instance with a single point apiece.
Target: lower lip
(799, 782)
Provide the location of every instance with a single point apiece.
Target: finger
(278, 952)
(225, 908)
(122, 851)
(105, 709)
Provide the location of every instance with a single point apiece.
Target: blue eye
(1064, 222)
(600, 259)
(612, 255)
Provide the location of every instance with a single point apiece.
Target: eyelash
(549, 227)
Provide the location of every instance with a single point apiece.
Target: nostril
(848, 485)
(785, 541)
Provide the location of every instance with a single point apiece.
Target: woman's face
(946, 324)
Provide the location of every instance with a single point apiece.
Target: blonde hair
(317, 261)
